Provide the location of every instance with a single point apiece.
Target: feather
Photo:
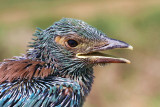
(21, 69)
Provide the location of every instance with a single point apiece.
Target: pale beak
(96, 55)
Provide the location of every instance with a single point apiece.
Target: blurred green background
(135, 21)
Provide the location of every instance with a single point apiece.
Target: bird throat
(73, 70)
(83, 76)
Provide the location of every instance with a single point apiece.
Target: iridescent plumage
(56, 72)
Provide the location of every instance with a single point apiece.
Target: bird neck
(67, 68)
(83, 76)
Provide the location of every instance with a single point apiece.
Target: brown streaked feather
(37, 72)
(23, 69)
(43, 72)
(68, 90)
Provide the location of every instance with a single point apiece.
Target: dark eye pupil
(72, 43)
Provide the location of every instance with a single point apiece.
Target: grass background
(135, 21)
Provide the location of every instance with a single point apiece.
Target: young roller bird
(57, 71)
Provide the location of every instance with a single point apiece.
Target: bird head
(74, 42)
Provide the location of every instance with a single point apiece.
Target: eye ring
(72, 43)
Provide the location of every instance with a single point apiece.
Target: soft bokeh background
(134, 21)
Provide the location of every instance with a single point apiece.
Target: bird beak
(96, 55)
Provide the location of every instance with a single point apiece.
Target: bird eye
(72, 43)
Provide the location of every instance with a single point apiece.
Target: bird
(57, 69)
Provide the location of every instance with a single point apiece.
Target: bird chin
(101, 58)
